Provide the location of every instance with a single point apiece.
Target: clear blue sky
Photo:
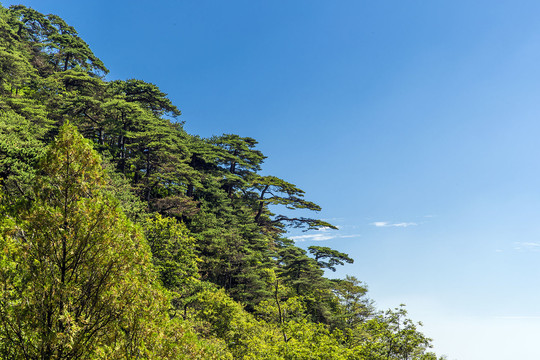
(414, 124)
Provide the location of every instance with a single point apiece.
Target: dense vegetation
(125, 237)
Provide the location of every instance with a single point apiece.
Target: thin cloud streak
(321, 237)
(530, 246)
(388, 224)
(312, 237)
(519, 317)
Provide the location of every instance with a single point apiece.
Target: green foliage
(173, 252)
(334, 257)
(147, 95)
(19, 151)
(354, 305)
(70, 244)
(59, 42)
(119, 187)
(76, 274)
(172, 246)
(220, 316)
(275, 191)
(392, 335)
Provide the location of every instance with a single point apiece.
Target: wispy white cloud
(322, 234)
(325, 228)
(530, 246)
(312, 237)
(333, 219)
(388, 224)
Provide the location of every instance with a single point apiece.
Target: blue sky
(415, 125)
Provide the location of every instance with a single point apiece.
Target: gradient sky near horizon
(414, 124)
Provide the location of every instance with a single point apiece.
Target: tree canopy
(125, 237)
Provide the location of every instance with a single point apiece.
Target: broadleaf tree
(76, 275)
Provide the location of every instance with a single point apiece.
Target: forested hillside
(125, 237)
